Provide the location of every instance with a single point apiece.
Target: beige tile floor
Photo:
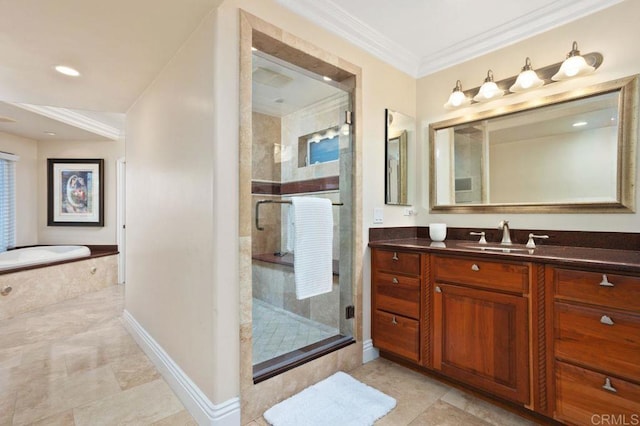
(74, 363)
(423, 401)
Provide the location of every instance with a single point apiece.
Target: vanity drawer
(482, 273)
(396, 261)
(396, 334)
(617, 291)
(397, 294)
(582, 396)
(600, 338)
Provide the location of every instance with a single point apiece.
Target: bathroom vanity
(555, 329)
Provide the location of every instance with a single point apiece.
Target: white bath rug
(337, 400)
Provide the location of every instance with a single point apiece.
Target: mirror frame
(627, 141)
(403, 148)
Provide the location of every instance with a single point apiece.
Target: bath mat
(337, 400)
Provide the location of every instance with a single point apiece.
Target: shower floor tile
(277, 331)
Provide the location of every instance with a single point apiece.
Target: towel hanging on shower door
(312, 245)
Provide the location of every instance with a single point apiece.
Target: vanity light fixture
(63, 69)
(574, 66)
(489, 90)
(527, 79)
(457, 97)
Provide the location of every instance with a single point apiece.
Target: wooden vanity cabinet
(481, 324)
(396, 291)
(596, 345)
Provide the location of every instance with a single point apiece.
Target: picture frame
(75, 192)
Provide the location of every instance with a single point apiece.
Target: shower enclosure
(301, 147)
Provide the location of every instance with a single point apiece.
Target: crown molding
(330, 16)
(73, 118)
(526, 26)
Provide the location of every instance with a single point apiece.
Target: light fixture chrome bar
(593, 59)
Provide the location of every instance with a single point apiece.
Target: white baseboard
(195, 401)
(369, 353)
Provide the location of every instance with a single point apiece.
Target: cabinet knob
(606, 320)
(438, 289)
(394, 280)
(607, 386)
(605, 282)
(475, 267)
(393, 320)
(395, 256)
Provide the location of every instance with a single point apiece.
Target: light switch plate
(378, 215)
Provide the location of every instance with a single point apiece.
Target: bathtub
(35, 277)
(38, 255)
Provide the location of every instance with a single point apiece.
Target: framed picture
(75, 192)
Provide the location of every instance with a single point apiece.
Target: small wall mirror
(399, 136)
(573, 152)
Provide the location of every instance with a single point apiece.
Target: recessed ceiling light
(579, 123)
(50, 133)
(63, 69)
(253, 49)
(325, 78)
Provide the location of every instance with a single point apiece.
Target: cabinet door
(480, 337)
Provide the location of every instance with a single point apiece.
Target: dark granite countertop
(609, 259)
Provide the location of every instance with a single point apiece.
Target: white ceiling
(295, 91)
(420, 37)
(120, 46)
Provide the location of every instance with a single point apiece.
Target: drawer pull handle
(395, 256)
(605, 282)
(606, 320)
(607, 386)
(393, 320)
(475, 267)
(394, 280)
(438, 289)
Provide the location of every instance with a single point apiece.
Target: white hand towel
(291, 229)
(313, 246)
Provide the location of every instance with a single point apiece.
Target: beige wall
(26, 186)
(183, 158)
(172, 208)
(608, 32)
(110, 151)
(31, 189)
(182, 189)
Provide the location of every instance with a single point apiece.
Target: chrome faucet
(506, 237)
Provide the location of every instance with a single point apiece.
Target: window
(7, 200)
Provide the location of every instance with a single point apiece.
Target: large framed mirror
(571, 152)
(399, 135)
